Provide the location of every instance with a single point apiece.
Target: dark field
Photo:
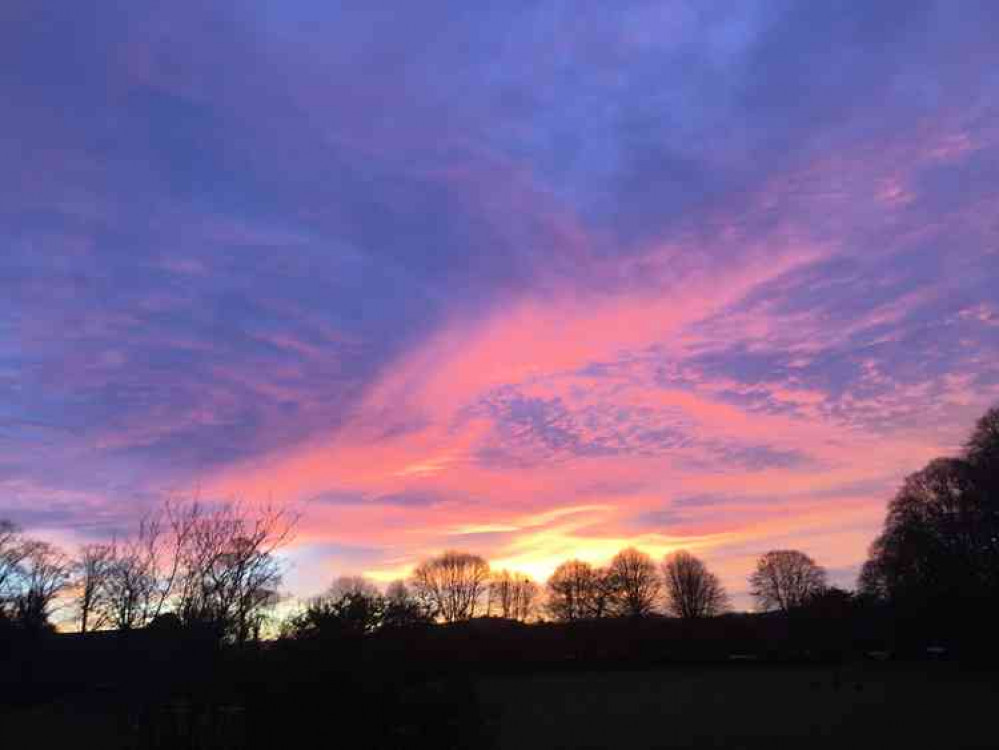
(746, 706)
(910, 706)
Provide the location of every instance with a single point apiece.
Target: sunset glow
(536, 284)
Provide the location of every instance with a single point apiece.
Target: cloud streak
(536, 281)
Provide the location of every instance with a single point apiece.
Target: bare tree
(133, 593)
(226, 570)
(512, 595)
(211, 566)
(635, 583)
(575, 591)
(692, 590)
(12, 552)
(452, 584)
(785, 580)
(91, 573)
(33, 574)
(137, 573)
(605, 593)
(44, 573)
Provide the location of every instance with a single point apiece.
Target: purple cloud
(578, 252)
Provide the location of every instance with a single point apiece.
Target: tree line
(458, 586)
(206, 567)
(215, 568)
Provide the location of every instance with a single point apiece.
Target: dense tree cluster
(939, 549)
(631, 586)
(353, 606)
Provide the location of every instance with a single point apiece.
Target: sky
(536, 280)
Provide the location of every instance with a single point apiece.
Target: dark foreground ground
(911, 706)
(925, 705)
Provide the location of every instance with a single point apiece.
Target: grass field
(749, 706)
(746, 706)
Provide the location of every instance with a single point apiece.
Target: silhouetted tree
(635, 583)
(214, 567)
(831, 603)
(403, 609)
(12, 552)
(785, 580)
(574, 591)
(351, 607)
(452, 584)
(982, 454)
(982, 448)
(130, 585)
(345, 585)
(872, 580)
(91, 572)
(166, 622)
(44, 573)
(691, 589)
(315, 619)
(139, 573)
(940, 543)
(356, 604)
(32, 575)
(227, 573)
(939, 550)
(512, 595)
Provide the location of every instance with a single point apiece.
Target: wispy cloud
(530, 280)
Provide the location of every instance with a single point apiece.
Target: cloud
(706, 275)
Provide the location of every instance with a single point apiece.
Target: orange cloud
(432, 455)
